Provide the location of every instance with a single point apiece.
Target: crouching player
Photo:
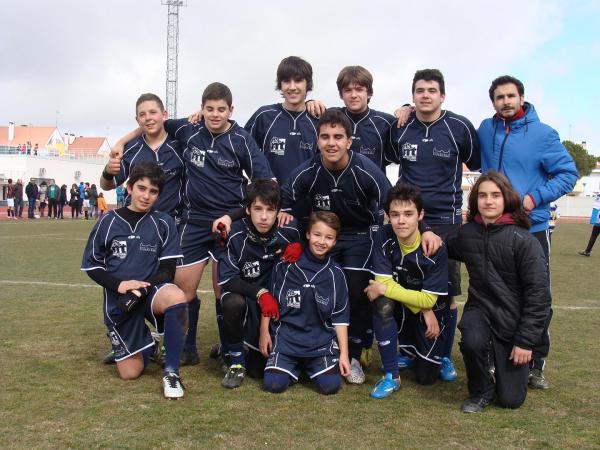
(508, 302)
(131, 253)
(254, 247)
(405, 293)
(311, 332)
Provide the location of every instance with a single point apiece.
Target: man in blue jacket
(529, 152)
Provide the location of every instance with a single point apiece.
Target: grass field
(57, 394)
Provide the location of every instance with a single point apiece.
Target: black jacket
(508, 279)
(31, 190)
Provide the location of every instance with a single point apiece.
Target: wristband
(107, 176)
(261, 292)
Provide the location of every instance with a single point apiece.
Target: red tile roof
(86, 144)
(24, 133)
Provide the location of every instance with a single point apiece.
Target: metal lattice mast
(172, 54)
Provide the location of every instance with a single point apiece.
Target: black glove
(130, 301)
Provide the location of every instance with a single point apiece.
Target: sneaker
(172, 385)
(385, 387)
(447, 370)
(584, 253)
(405, 362)
(109, 358)
(357, 376)
(234, 376)
(189, 358)
(537, 380)
(474, 405)
(366, 358)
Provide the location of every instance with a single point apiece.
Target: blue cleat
(405, 362)
(385, 387)
(447, 370)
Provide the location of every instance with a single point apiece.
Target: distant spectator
(595, 221)
(74, 201)
(101, 203)
(18, 192)
(10, 200)
(93, 201)
(120, 196)
(62, 201)
(81, 196)
(23, 148)
(43, 197)
(86, 200)
(32, 192)
(35, 149)
(53, 199)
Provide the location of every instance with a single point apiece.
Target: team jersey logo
(278, 145)
(251, 269)
(322, 202)
(409, 151)
(367, 150)
(441, 153)
(292, 298)
(322, 300)
(148, 247)
(197, 156)
(306, 146)
(119, 249)
(225, 162)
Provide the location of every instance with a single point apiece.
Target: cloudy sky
(82, 64)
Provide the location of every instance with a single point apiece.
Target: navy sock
(176, 319)
(193, 314)
(146, 354)
(328, 383)
(236, 353)
(276, 381)
(221, 326)
(386, 331)
(450, 332)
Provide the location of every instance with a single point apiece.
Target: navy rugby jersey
(313, 299)
(356, 194)
(371, 134)
(214, 167)
(168, 157)
(413, 270)
(430, 156)
(287, 138)
(129, 254)
(253, 261)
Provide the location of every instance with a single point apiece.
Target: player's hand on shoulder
(292, 252)
(195, 117)
(431, 243)
(284, 218)
(130, 285)
(433, 327)
(315, 108)
(402, 114)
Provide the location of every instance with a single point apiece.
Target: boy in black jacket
(508, 301)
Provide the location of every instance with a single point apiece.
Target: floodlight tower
(172, 53)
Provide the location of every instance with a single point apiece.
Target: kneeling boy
(131, 253)
(404, 274)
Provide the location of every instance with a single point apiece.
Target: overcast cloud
(90, 60)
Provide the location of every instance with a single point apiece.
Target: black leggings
(360, 310)
(593, 236)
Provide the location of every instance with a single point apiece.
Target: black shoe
(537, 380)
(109, 358)
(234, 377)
(584, 253)
(189, 358)
(475, 405)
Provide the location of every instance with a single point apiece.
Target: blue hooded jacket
(531, 155)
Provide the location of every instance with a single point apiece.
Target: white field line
(82, 285)
(66, 285)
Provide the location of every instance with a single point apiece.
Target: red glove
(268, 305)
(221, 235)
(292, 252)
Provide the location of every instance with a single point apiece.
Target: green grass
(56, 393)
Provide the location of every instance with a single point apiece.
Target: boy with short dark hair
(405, 275)
(131, 253)
(254, 246)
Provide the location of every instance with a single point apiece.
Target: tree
(584, 162)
